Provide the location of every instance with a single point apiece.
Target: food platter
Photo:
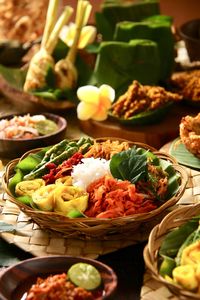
(91, 221)
(183, 156)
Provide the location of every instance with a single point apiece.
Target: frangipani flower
(95, 102)
(88, 34)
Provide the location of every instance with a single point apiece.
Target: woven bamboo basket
(94, 228)
(173, 220)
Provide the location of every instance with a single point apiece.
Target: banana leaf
(183, 156)
(173, 240)
(158, 31)
(14, 76)
(132, 165)
(147, 117)
(116, 11)
(119, 63)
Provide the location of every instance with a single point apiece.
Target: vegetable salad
(26, 127)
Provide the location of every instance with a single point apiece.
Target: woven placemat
(151, 289)
(39, 242)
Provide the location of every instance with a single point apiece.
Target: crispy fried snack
(22, 20)
(190, 133)
(140, 98)
(187, 84)
(106, 149)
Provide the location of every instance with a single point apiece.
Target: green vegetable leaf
(60, 51)
(50, 77)
(192, 238)
(173, 240)
(15, 77)
(31, 161)
(15, 180)
(48, 94)
(25, 199)
(173, 178)
(28, 163)
(129, 165)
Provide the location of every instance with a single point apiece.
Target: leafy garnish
(50, 77)
(177, 237)
(129, 165)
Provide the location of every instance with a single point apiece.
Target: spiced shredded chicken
(140, 98)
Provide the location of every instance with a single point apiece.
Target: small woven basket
(173, 220)
(94, 228)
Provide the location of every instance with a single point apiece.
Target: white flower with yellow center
(95, 102)
(87, 36)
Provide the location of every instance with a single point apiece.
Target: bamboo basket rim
(171, 221)
(90, 223)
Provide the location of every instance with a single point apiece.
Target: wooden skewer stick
(50, 21)
(63, 19)
(82, 15)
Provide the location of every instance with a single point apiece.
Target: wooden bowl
(12, 148)
(17, 279)
(190, 33)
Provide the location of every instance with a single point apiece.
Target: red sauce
(60, 288)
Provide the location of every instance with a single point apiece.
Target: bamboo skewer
(43, 59)
(65, 69)
(53, 38)
(50, 20)
(82, 16)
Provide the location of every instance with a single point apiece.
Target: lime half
(45, 127)
(84, 275)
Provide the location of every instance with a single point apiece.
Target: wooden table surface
(155, 135)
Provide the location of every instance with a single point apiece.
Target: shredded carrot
(110, 198)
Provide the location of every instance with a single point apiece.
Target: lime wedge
(45, 127)
(84, 275)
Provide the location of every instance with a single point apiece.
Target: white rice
(89, 170)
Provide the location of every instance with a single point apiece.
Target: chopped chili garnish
(63, 169)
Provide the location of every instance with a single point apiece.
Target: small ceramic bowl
(16, 280)
(190, 33)
(13, 148)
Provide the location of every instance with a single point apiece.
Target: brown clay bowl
(17, 279)
(13, 148)
(190, 33)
